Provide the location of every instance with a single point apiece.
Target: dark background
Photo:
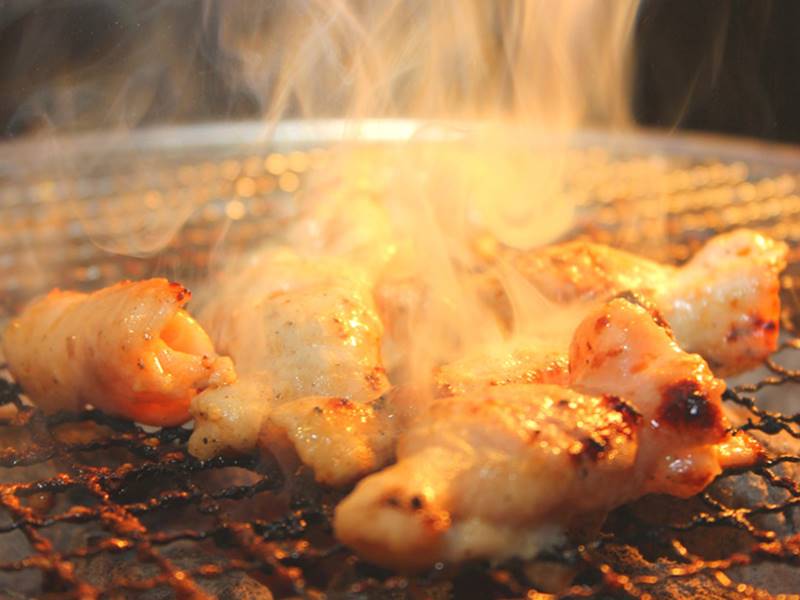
(715, 65)
(730, 66)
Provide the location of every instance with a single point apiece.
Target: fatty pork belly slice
(307, 347)
(130, 349)
(723, 304)
(509, 470)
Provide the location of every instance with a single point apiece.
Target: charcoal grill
(95, 506)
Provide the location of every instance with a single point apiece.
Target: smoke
(109, 67)
(542, 61)
(72, 65)
(499, 89)
(105, 65)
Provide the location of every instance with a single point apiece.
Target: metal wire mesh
(99, 507)
(131, 495)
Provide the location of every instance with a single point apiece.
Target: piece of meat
(309, 326)
(306, 328)
(723, 304)
(494, 474)
(129, 349)
(507, 470)
(339, 439)
(627, 349)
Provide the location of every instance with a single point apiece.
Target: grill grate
(94, 506)
(122, 487)
(101, 211)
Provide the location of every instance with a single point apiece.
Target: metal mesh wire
(99, 507)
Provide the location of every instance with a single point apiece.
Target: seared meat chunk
(308, 329)
(723, 304)
(129, 349)
(507, 470)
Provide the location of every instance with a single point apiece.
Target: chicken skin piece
(723, 304)
(130, 349)
(309, 329)
(508, 470)
(491, 475)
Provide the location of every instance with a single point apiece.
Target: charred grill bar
(95, 506)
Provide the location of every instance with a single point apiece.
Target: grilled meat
(505, 470)
(723, 304)
(304, 328)
(130, 349)
(308, 326)
(492, 474)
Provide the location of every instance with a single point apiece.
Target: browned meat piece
(507, 470)
(723, 304)
(130, 349)
(305, 335)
